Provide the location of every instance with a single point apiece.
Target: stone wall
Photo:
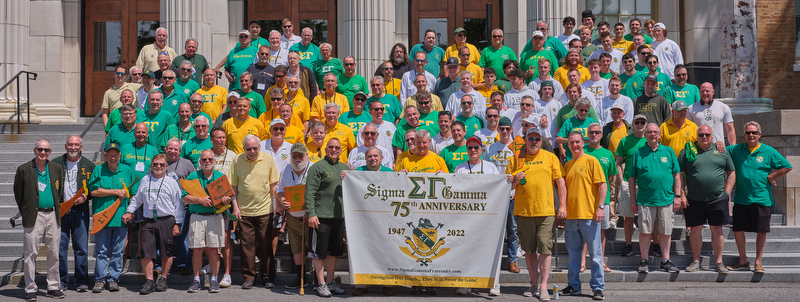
(776, 35)
(781, 131)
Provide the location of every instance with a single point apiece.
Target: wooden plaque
(296, 195)
(218, 189)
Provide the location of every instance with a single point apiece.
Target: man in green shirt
(456, 153)
(182, 130)
(580, 123)
(627, 145)
(196, 101)
(606, 159)
(704, 170)
(257, 105)
(351, 82)
(195, 145)
(427, 116)
(357, 117)
(529, 59)
(139, 154)
(471, 122)
(497, 54)
(309, 53)
(411, 117)
(326, 64)
(126, 97)
(198, 61)
(434, 53)
(122, 134)
(186, 83)
(758, 167)
(156, 119)
(170, 94)
(632, 80)
(238, 60)
(393, 109)
(662, 79)
(680, 90)
(655, 170)
(573, 93)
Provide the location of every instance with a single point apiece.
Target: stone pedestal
(552, 12)
(781, 131)
(15, 26)
(367, 33)
(187, 19)
(8, 113)
(739, 49)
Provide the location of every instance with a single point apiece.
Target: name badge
(139, 167)
(173, 175)
(261, 86)
(42, 186)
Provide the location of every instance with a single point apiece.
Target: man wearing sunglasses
(385, 129)
(351, 82)
(624, 150)
(359, 156)
(150, 52)
(392, 105)
(38, 192)
(172, 97)
(391, 85)
(679, 90)
(407, 87)
(262, 72)
(662, 79)
(239, 58)
(198, 61)
(433, 51)
(461, 40)
(678, 130)
(193, 147)
(111, 98)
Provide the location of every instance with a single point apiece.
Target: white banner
(423, 229)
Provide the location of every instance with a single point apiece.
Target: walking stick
(303, 258)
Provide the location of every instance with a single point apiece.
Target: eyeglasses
(703, 134)
(473, 147)
(243, 37)
(466, 103)
(595, 132)
(376, 85)
(43, 150)
(136, 74)
(461, 35)
(200, 126)
(652, 63)
(158, 164)
(287, 26)
(409, 140)
(359, 100)
(681, 74)
(278, 129)
(492, 115)
(751, 132)
(639, 123)
(497, 36)
(206, 159)
(541, 28)
(525, 104)
(119, 73)
(293, 83)
(186, 69)
(334, 147)
(464, 55)
(420, 61)
(424, 103)
(251, 149)
(377, 109)
(349, 64)
(504, 128)
(167, 78)
(388, 68)
(279, 75)
(370, 133)
(534, 139)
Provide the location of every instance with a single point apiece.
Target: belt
(159, 218)
(205, 214)
(45, 209)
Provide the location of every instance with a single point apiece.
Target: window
(476, 32)
(319, 27)
(613, 11)
(108, 45)
(439, 25)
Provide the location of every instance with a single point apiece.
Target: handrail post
(28, 92)
(18, 110)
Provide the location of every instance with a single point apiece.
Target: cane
(555, 236)
(303, 258)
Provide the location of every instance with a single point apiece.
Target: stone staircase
(781, 257)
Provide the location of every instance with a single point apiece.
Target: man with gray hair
(358, 156)
(326, 64)
(198, 61)
(295, 174)
(254, 178)
(135, 74)
(580, 123)
(277, 54)
(351, 82)
(309, 52)
(200, 141)
(149, 53)
(186, 82)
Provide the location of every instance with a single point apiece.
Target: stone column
(739, 50)
(187, 19)
(15, 27)
(552, 12)
(367, 33)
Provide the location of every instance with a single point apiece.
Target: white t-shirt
(483, 167)
(499, 154)
(584, 93)
(279, 57)
(438, 143)
(282, 156)
(71, 180)
(536, 85)
(513, 97)
(616, 58)
(549, 109)
(488, 137)
(385, 135)
(509, 113)
(598, 90)
(604, 113)
(357, 157)
(669, 55)
(566, 39)
(288, 179)
(715, 115)
(162, 194)
(287, 43)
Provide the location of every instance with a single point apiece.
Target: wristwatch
(678, 196)
(602, 206)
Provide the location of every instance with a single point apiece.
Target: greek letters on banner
(424, 229)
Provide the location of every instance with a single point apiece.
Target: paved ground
(647, 291)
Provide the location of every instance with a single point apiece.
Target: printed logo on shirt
(760, 159)
(284, 156)
(663, 159)
(388, 133)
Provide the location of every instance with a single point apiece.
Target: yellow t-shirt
(486, 92)
(315, 153)
(267, 117)
(318, 106)
(236, 130)
(536, 198)
(392, 87)
(253, 180)
(430, 163)
(676, 138)
(300, 106)
(616, 135)
(583, 175)
(560, 75)
(475, 70)
(622, 46)
(213, 100)
(293, 135)
(346, 138)
(452, 51)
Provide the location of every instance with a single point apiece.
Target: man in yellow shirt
(461, 40)
(678, 131)
(330, 96)
(213, 95)
(534, 206)
(465, 64)
(573, 60)
(391, 85)
(297, 98)
(421, 159)
(338, 130)
(236, 128)
(254, 178)
(586, 187)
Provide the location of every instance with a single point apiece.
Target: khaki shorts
(536, 234)
(294, 227)
(649, 215)
(206, 231)
(624, 200)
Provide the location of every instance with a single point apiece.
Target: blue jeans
(109, 244)
(512, 241)
(75, 224)
(576, 232)
(183, 256)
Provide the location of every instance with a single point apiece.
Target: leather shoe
(512, 267)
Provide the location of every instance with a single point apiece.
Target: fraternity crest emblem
(663, 159)
(388, 133)
(505, 57)
(424, 247)
(760, 159)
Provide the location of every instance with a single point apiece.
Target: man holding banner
(323, 196)
(421, 160)
(533, 206)
(112, 187)
(292, 183)
(160, 199)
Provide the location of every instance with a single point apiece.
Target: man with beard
(571, 61)
(262, 72)
(398, 57)
(295, 174)
(391, 85)
(305, 76)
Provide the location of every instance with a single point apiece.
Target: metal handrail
(28, 93)
(94, 120)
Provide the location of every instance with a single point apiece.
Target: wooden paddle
(64, 207)
(102, 218)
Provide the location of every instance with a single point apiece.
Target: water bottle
(555, 292)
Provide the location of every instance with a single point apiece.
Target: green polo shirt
(308, 54)
(135, 157)
(321, 68)
(429, 120)
(382, 169)
(349, 86)
(46, 195)
(112, 181)
(158, 124)
(175, 131)
(193, 147)
(187, 87)
(399, 139)
(494, 58)
(654, 172)
(454, 156)
(607, 162)
(435, 57)
(198, 208)
(237, 62)
(574, 124)
(355, 121)
(115, 118)
(392, 108)
(195, 115)
(568, 112)
(628, 145)
(752, 169)
(471, 124)
(120, 135)
(705, 177)
(257, 105)
(530, 60)
(172, 101)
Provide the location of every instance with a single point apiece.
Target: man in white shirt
(276, 146)
(569, 25)
(713, 113)
(277, 54)
(445, 137)
(548, 107)
(288, 39)
(544, 75)
(574, 76)
(603, 108)
(454, 103)
(407, 87)
(518, 89)
(616, 56)
(385, 129)
(595, 85)
(668, 52)
(488, 134)
(357, 157)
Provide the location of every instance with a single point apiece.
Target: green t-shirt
(382, 169)
(199, 63)
(627, 145)
(237, 62)
(705, 176)
(632, 86)
(308, 54)
(158, 124)
(118, 134)
(195, 115)
(752, 169)
(193, 147)
(647, 39)
(606, 75)
(115, 118)
(663, 82)
(494, 58)
(471, 124)
(530, 60)
(188, 87)
(175, 131)
(551, 44)
(355, 121)
(435, 57)
(568, 112)
(257, 105)
(454, 156)
(349, 86)
(429, 120)
(641, 68)
(607, 162)
(112, 181)
(689, 94)
(574, 124)
(392, 108)
(399, 139)
(321, 68)
(198, 208)
(654, 172)
(171, 102)
(137, 159)
(46, 195)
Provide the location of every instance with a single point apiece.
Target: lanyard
(301, 175)
(136, 153)
(155, 207)
(469, 166)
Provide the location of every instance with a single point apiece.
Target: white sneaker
(463, 291)
(322, 290)
(495, 291)
(226, 281)
(520, 252)
(334, 288)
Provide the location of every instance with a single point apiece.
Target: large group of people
(591, 125)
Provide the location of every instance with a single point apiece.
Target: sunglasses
(420, 61)
(409, 140)
(243, 37)
(525, 104)
(681, 74)
(136, 74)
(464, 55)
(276, 99)
(466, 103)
(168, 78)
(388, 68)
(287, 26)
(200, 126)
(751, 132)
(505, 128)
(534, 139)
(377, 109)
(43, 150)
(278, 129)
(424, 103)
(492, 116)
(334, 147)
(639, 123)
(186, 69)
(349, 64)
(541, 28)
(370, 133)
(497, 36)
(704, 135)
(158, 164)
(473, 147)
(251, 149)
(595, 132)
(461, 35)
(652, 63)
(206, 159)
(119, 73)
(359, 100)
(644, 54)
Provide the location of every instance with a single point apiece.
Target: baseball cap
(616, 106)
(110, 146)
(361, 93)
(538, 34)
(530, 120)
(679, 105)
(299, 148)
(533, 129)
(651, 78)
(474, 139)
(244, 32)
(276, 121)
(149, 74)
(640, 116)
(254, 21)
(547, 83)
(587, 14)
(234, 94)
(659, 25)
(460, 29)
(571, 50)
(504, 121)
(452, 61)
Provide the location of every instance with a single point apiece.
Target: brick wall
(776, 48)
